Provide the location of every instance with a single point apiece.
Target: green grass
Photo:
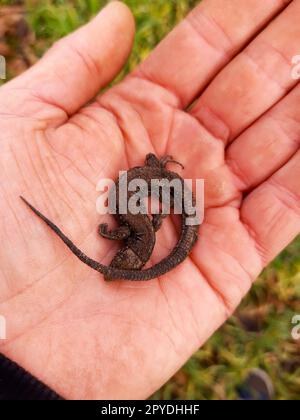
(220, 366)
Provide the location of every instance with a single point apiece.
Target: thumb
(76, 67)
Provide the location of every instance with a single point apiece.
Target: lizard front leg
(119, 234)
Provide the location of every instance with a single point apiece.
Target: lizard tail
(177, 256)
(76, 251)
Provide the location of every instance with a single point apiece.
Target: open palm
(90, 339)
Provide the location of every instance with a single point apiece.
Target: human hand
(88, 339)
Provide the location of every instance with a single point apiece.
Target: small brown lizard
(138, 232)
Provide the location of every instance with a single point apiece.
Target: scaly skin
(140, 239)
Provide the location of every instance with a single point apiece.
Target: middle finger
(254, 81)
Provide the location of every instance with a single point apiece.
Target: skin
(90, 339)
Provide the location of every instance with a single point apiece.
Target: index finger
(204, 42)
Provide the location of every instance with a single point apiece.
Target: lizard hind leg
(120, 234)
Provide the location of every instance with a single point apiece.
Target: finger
(271, 213)
(268, 144)
(204, 42)
(75, 68)
(254, 81)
